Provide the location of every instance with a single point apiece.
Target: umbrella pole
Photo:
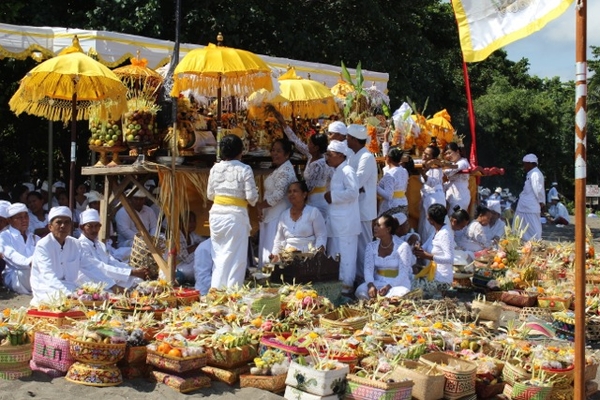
(73, 153)
(50, 159)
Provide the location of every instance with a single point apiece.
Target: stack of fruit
(139, 123)
(105, 133)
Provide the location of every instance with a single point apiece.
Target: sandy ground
(40, 386)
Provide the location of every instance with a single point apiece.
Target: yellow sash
(318, 189)
(428, 272)
(387, 273)
(230, 201)
(399, 194)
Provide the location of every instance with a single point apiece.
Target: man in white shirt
(17, 249)
(364, 164)
(532, 200)
(343, 226)
(126, 229)
(558, 212)
(123, 275)
(58, 261)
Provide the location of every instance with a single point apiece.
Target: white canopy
(113, 49)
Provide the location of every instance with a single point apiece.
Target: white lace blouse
(441, 245)
(455, 175)
(308, 229)
(394, 180)
(232, 178)
(317, 173)
(275, 190)
(401, 259)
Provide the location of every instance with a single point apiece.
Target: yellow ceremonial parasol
(307, 98)
(65, 88)
(441, 127)
(342, 89)
(257, 100)
(217, 71)
(139, 79)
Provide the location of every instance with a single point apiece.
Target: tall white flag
(487, 25)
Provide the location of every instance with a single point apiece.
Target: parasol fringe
(231, 85)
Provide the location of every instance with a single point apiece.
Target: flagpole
(580, 181)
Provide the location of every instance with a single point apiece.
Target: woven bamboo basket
(460, 374)
(554, 303)
(519, 298)
(15, 354)
(345, 318)
(513, 372)
(493, 295)
(141, 256)
(562, 378)
(566, 393)
(541, 313)
(96, 353)
(175, 364)
(526, 391)
(272, 383)
(94, 375)
(488, 311)
(363, 388)
(427, 386)
(590, 372)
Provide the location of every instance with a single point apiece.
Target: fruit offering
(90, 291)
(105, 133)
(139, 123)
(177, 348)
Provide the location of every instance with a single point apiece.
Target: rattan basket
(459, 373)
(524, 390)
(590, 372)
(94, 375)
(96, 353)
(272, 383)
(362, 388)
(488, 311)
(541, 313)
(514, 372)
(428, 386)
(141, 256)
(344, 318)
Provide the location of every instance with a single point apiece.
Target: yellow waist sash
(399, 194)
(428, 272)
(387, 273)
(318, 189)
(230, 201)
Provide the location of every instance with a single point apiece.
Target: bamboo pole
(580, 181)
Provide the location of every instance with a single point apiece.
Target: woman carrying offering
(456, 170)
(301, 227)
(388, 262)
(393, 184)
(438, 252)
(274, 201)
(231, 187)
(432, 191)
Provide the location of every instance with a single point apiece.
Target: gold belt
(318, 189)
(399, 194)
(387, 273)
(230, 201)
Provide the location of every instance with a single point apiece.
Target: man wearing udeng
(58, 260)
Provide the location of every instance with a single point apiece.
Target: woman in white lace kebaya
(317, 173)
(456, 170)
(274, 197)
(393, 184)
(231, 186)
(432, 191)
(438, 252)
(301, 226)
(388, 262)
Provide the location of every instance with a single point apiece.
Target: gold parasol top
(139, 79)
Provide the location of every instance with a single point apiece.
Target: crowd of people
(340, 206)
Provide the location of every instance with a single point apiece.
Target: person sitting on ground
(203, 267)
(497, 227)
(126, 228)
(438, 254)
(4, 222)
(188, 242)
(475, 239)
(58, 261)
(92, 248)
(458, 222)
(559, 215)
(38, 219)
(17, 246)
(300, 226)
(388, 262)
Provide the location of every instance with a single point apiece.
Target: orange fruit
(164, 348)
(174, 352)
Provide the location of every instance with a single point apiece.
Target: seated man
(188, 242)
(126, 229)
(558, 212)
(92, 248)
(58, 260)
(17, 247)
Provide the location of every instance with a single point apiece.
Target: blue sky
(551, 51)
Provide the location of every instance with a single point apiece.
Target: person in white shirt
(552, 192)
(17, 246)
(4, 214)
(497, 227)
(188, 242)
(92, 248)
(532, 200)
(456, 170)
(432, 190)
(231, 187)
(126, 228)
(559, 214)
(38, 218)
(474, 238)
(392, 186)
(58, 261)
(497, 195)
(337, 130)
(364, 164)
(203, 266)
(343, 224)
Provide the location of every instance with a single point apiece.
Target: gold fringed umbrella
(217, 71)
(65, 88)
(307, 98)
(441, 127)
